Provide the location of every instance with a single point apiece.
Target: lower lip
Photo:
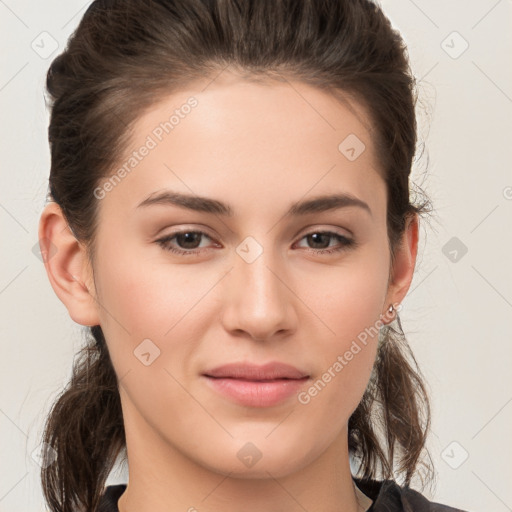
(256, 393)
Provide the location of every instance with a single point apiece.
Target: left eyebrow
(208, 205)
(325, 203)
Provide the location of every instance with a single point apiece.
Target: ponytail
(396, 400)
(84, 432)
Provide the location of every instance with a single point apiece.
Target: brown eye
(323, 239)
(187, 242)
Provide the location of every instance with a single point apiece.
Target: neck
(163, 478)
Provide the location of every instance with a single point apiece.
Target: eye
(189, 241)
(323, 237)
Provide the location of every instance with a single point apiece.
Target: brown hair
(127, 54)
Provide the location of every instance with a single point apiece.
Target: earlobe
(67, 266)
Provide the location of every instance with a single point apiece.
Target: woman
(230, 217)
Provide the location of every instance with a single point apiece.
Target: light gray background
(458, 312)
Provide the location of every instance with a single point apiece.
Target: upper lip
(269, 371)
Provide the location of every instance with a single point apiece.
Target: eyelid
(315, 228)
(184, 228)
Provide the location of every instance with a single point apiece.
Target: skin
(258, 147)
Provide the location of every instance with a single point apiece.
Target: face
(181, 291)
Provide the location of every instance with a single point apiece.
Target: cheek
(146, 294)
(142, 300)
(348, 300)
(147, 316)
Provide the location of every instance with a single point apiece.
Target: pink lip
(256, 386)
(269, 371)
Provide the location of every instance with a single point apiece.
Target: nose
(258, 300)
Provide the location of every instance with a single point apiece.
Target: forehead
(242, 140)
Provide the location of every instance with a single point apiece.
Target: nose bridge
(259, 302)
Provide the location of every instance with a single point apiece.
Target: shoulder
(388, 496)
(110, 496)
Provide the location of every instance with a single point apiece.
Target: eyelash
(346, 243)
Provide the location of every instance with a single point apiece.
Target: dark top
(387, 496)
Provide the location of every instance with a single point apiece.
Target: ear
(402, 270)
(67, 266)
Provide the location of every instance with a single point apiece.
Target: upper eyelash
(345, 242)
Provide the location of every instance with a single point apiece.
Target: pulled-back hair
(124, 56)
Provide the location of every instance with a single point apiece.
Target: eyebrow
(213, 206)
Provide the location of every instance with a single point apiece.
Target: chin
(259, 461)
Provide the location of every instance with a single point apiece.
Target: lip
(269, 371)
(256, 386)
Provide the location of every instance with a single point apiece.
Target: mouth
(246, 371)
(256, 386)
